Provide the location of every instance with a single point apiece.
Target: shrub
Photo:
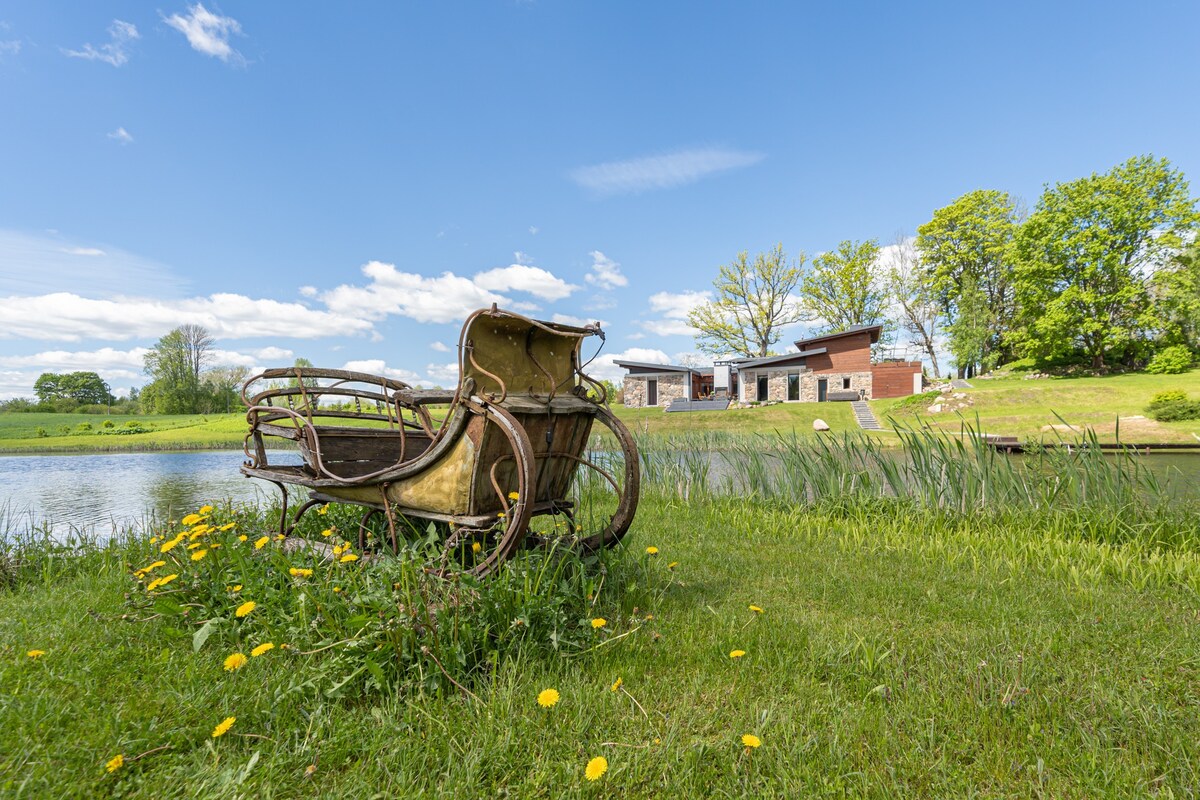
(83, 427)
(1163, 398)
(1177, 411)
(916, 402)
(41, 432)
(65, 430)
(1171, 361)
(133, 423)
(108, 423)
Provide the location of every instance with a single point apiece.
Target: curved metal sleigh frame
(481, 462)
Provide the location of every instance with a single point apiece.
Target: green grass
(905, 649)
(18, 432)
(1018, 407)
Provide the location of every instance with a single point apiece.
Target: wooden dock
(1011, 444)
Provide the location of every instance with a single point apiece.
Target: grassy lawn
(18, 432)
(898, 653)
(1014, 406)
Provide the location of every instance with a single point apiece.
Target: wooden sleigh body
(481, 461)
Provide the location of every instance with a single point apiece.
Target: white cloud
(207, 32)
(533, 230)
(605, 273)
(446, 298)
(273, 354)
(64, 316)
(115, 52)
(604, 368)
(121, 135)
(522, 258)
(439, 347)
(660, 172)
(521, 277)
(578, 322)
(10, 47)
(377, 366)
(673, 308)
(106, 358)
(443, 374)
(308, 291)
(83, 251)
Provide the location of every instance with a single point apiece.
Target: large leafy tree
(1085, 257)
(1176, 287)
(842, 290)
(81, 387)
(753, 302)
(966, 254)
(175, 364)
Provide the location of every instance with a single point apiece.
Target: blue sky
(344, 183)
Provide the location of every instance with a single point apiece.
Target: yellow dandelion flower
(751, 741)
(153, 540)
(501, 515)
(200, 530)
(673, 565)
(327, 532)
(245, 608)
(191, 519)
(279, 537)
(337, 589)
(756, 609)
(348, 557)
(595, 768)
(547, 697)
(736, 653)
(599, 622)
(115, 763)
(514, 496)
(338, 549)
(235, 661)
(150, 568)
(206, 509)
(199, 554)
(228, 526)
(262, 648)
(323, 510)
(476, 547)
(168, 545)
(194, 545)
(259, 544)
(242, 537)
(236, 588)
(651, 550)
(36, 653)
(616, 684)
(300, 572)
(223, 727)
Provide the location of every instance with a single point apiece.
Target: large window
(793, 386)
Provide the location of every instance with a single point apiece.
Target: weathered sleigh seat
(481, 462)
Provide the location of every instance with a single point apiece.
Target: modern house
(836, 366)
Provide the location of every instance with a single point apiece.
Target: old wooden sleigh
(481, 462)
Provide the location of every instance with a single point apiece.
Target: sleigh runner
(481, 462)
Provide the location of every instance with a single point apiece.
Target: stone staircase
(864, 416)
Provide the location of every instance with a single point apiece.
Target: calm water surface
(101, 492)
(113, 490)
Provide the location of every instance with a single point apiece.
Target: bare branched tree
(911, 288)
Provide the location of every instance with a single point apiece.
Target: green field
(1007, 406)
(900, 651)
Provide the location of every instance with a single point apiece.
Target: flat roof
(744, 363)
(644, 365)
(874, 330)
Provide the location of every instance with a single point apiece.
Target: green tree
(1085, 255)
(84, 388)
(842, 290)
(754, 300)
(966, 252)
(175, 363)
(224, 387)
(1176, 288)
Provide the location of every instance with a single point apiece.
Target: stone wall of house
(669, 388)
(777, 386)
(808, 383)
(635, 392)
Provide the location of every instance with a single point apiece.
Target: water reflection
(112, 490)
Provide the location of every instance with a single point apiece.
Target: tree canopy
(753, 302)
(1085, 256)
(842, 289)
(175, 364)
(81, 387)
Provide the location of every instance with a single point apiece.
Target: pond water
(112, 490)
